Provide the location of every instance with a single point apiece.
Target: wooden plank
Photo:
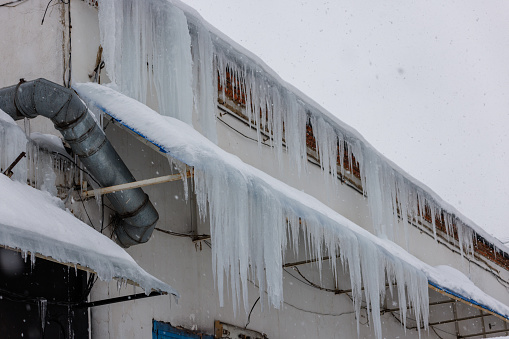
(136, 184)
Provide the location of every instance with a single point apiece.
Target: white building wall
(31, 50)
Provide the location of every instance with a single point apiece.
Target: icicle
(327, 150)
(32, 260)
(270, 108)
(43, 309)
(145, 44)
(205, 83)
(182, 169)
(250, 226)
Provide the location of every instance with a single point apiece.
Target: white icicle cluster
(38, 168)
(150, 47)
(277, 112)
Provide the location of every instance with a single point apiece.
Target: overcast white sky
(425, 82)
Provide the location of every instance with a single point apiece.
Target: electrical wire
(249, 316)
(12, 3)
(77, 166)
(47, 6)
(434, 330)
(81, 199)
(307, 311)
(185, 235)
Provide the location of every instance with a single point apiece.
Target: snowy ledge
(34, 222)
(263, 215)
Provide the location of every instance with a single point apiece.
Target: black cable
(70, 44)
(249, 316)
(92, 279)
(309, 283)
(44, 16)
(183, 235)
(8, 4)
(434, 330)
(15, 297)
(77, 166)
(81, 199)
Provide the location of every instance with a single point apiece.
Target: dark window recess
(162, 330)
(36, 300)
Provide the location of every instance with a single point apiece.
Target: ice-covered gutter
(258, 217)
(36, 222)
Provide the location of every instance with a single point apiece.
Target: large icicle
(248, 229)
(393, 197)
(205, 82)
(275, 112)
(255, 218)
(147, 45)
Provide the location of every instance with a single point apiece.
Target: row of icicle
(159, 55)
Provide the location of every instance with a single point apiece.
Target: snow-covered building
(232, 192)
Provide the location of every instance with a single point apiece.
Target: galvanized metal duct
(70, 116)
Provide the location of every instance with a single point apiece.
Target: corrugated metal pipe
(70, 115)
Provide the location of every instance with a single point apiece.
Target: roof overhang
(32, 221)
(139, 120)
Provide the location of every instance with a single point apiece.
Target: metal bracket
(8, 172)
(119, 299)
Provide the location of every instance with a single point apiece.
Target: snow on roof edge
(57, 234)
(150, 125)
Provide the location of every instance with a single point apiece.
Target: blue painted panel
(162, 330)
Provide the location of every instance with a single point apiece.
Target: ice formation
(258, 217)
(255, 220)
(161, 48)
(48, 229)
(41, 164)
(165, 48)
(274, 110)
(147, 45)
(51, 231)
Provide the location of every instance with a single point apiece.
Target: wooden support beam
(136, 184)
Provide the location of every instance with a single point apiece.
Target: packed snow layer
(36, 222)
(254, 218)
(180, 58)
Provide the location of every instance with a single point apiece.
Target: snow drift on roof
(35, 221)
(263, 216)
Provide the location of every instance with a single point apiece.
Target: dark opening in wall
(36, 300)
